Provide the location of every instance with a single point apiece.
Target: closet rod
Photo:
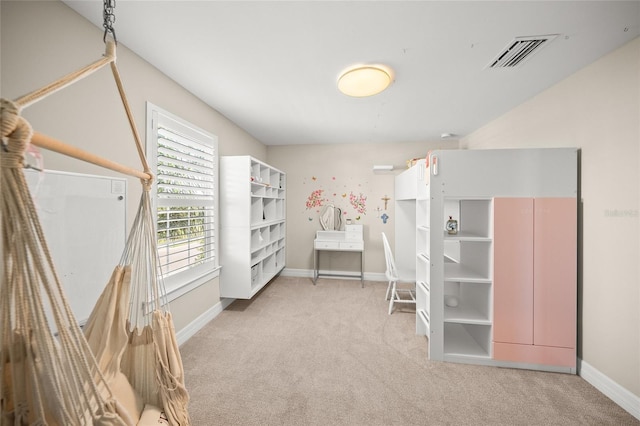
(47, 142)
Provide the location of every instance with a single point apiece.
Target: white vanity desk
(349, 240)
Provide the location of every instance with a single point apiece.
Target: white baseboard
(611, 389)
(194, 326)
(308, 273)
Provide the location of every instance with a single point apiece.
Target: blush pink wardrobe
(535, 276)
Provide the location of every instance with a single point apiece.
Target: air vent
(520, 49)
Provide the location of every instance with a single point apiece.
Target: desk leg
(315, 266)
(362, 267)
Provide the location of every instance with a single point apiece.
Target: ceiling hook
(108, 20)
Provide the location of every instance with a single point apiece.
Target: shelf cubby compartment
(259, 172)
(279, 208)
(269, 264)
(270, 209)
(275, 179)
(275, 232)
(474, 302)
(256, 274)
(473, 216)
(257, 211)
(280, 257)
(467, 340)
(258, 189)
(258, 254)
(260, 236)
(468, 260)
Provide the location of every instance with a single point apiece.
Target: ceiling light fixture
(364, 80)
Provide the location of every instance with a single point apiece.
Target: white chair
(394, 293)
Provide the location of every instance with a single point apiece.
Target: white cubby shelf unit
(253, 225)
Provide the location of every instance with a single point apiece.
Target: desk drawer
(326, 244)
(357, 245)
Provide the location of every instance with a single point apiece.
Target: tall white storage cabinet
(252, 225)
(466, 284)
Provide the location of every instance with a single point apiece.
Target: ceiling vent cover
(520, 49)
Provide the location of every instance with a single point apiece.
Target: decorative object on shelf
(412, 162)
(452, 226)
(451, 301)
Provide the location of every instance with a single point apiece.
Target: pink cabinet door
(513, 301)
(555, 272)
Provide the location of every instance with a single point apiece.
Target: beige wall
(42, 41)
(597, 110)
(340, 170)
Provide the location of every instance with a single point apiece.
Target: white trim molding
(611, 389)
(194, 326)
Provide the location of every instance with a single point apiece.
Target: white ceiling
(271, 66)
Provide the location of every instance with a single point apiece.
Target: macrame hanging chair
(127, 362)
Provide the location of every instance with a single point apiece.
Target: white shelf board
(465, 315)
(458, 272)
(465, 236)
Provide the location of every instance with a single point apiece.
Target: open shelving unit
(253, 225)
(467, 277)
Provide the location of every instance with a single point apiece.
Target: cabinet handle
(434, 166)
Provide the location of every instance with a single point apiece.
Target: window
(184, 161)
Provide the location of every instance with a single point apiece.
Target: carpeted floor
(299, 354)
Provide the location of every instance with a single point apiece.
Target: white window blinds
(186, 176)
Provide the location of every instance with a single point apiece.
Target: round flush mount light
(364, 80)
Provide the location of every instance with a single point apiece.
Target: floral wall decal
(342, 194)
(358, 202)
(315, 199)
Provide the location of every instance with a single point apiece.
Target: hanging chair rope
(157, 374)
(43, 378)
(60, 147)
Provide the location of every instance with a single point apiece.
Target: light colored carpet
(299, 354)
